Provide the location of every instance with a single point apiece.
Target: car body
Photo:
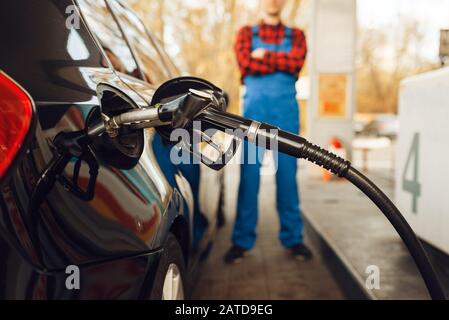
(59, 51)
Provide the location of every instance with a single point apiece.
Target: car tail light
(16, 112)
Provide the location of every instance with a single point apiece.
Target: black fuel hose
(299, 147)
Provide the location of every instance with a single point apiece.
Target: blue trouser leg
(244, 234)
(286, 116)
(287, 193)
(288, 201)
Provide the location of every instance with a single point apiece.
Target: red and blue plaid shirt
(290, 62)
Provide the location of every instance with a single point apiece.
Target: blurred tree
(386, 56)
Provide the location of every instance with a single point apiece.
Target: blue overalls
(269, 98)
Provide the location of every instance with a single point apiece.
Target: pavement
(269, 272)
(361, 236)
(342, 218)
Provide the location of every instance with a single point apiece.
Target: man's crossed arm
(262, 61)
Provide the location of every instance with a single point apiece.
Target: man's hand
(258, 54)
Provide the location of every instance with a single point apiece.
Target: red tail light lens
(16, 111)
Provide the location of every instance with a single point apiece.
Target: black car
(122, 214)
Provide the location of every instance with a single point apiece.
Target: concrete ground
(269, 272)
(360, 235)
(346, 221)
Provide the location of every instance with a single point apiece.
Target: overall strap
(288, 32)
(255, 30)
(255, 39)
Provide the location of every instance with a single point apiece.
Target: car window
(174, 71)
(151, 63)
(103, 24)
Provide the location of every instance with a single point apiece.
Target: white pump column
(332, 48)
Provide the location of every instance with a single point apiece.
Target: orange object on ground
(335, 145)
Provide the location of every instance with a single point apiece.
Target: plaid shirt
(290, 62)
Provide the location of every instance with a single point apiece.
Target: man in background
(270, 56)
